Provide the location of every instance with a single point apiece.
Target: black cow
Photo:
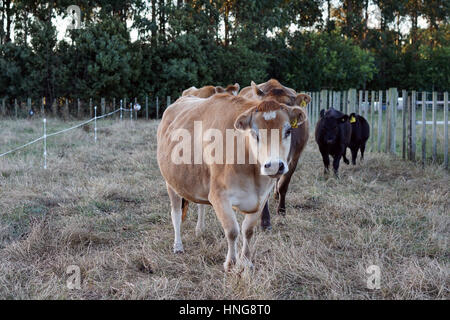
(360, 135)
(333, 132)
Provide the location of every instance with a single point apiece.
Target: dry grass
(105, 209)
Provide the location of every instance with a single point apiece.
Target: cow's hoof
(266, 227)
(228, 265)
(178, 248)
(281, 212)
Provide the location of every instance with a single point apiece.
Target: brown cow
(272, 89)
(207, 176)
(208, 91)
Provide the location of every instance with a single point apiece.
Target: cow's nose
(267, 165)
(281, 167)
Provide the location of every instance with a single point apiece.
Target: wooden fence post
(388, 121)
(394, 121)
(404, 127)
(90, 108)
(424, 127)
(43, 107)
(3, 107)
(372, 121)
(380, 119)
(146, 107)
(78, 108)
(157, 107)
(28, 105)
(446, 130)
(434, 154)
(413, 126)
(360, 102)
(15, 107)
(103, 106)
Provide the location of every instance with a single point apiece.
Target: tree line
(199, 42)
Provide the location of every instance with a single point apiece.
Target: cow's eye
(288, 132)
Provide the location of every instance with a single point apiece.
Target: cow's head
(273, 90)
(332, 121)
(269, 125)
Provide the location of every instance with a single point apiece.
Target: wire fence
(45, 135)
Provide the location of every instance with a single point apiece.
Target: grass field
(104, 207)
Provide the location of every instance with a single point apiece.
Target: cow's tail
(184, 208)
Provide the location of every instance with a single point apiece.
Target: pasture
(104, 207)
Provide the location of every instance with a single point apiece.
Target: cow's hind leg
(354, 154)
(345, 157)
(175, 204)
(200, 227)
(265, 217)
(227, 218)
(362, 148)
(248, 228)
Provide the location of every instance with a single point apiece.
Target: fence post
(43, 107)
(121, 109)
(394, 121)
(15, 107)
(404, 97)
(90, 108)
(95, 124)
(372, 121)
(360, 101)
(157, 107)
(103, 106)
(434, 155)
(424, 128)
(380, 119)
(131, 111)
(388, 120)
(28, 105)
(45, 143)
(446, 130)
(135, 111)
(330, 99)
(352, 101)
(146, 107)
(413, 126)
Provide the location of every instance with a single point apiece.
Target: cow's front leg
(227, 218)
(200, 227)
(248, 228)
(336, 160)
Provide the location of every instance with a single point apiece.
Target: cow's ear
(296, 116)
(344, 118)
(302, 100)
(244, 120)
(256, 90)
(322, 113)
(219, 89)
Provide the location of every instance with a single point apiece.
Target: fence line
(395, 133)
(45, 135)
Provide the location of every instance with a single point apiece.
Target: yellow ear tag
(294, 123)
(352, 119)
(303, 104)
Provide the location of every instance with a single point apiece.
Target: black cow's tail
(184, 208)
